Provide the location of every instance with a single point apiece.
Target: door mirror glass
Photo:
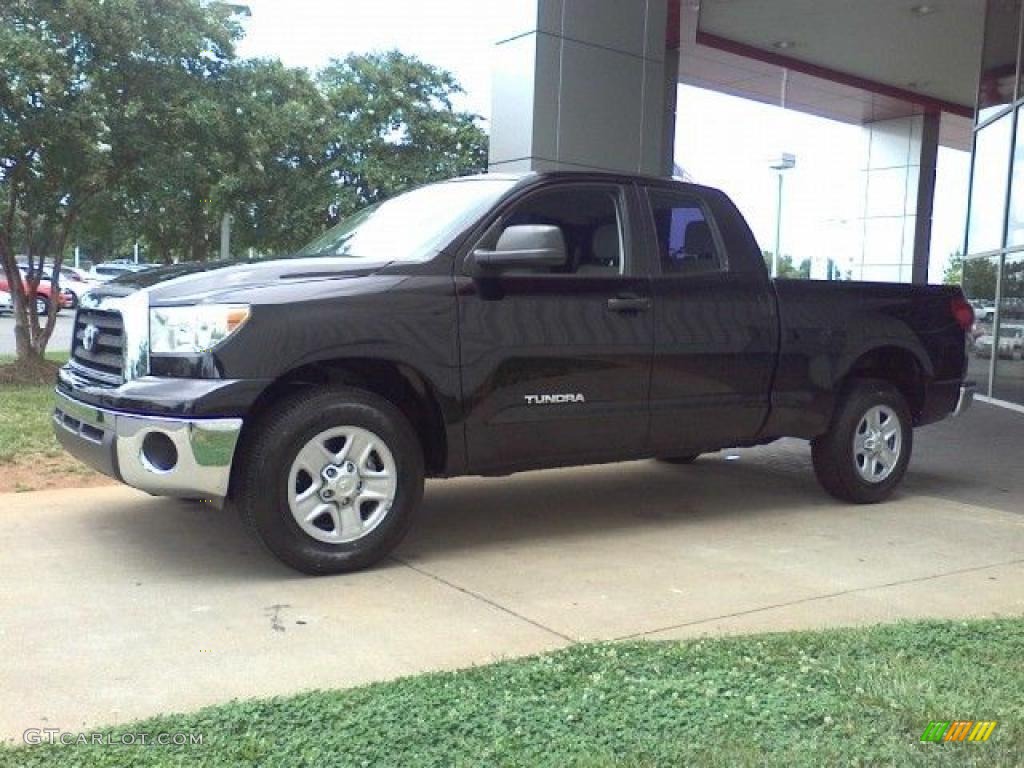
(525, 245)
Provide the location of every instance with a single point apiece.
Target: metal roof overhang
(856, 62)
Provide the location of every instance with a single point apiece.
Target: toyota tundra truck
(489, 325)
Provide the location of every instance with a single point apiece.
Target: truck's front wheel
(865, 453)
(330, 480)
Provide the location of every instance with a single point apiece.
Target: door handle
(629, 304)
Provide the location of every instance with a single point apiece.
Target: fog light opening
(159, 452)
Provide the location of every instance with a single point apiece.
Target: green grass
(25, 421)
(57, 357)
(25, 425)
(842, 697)
(25, 412)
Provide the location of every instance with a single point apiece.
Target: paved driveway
(115, 605)
(60, 341)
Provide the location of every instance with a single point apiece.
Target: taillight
(963, 312)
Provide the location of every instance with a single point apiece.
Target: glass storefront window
(999, 58)
(988, 186)
(979, 286)
(1015, 221)
(994, 284)
(1009, 381)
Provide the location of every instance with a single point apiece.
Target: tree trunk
(44, 334)
(24, 348)
(31, 338)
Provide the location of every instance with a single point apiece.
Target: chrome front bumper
(966, 398)
(134, 449)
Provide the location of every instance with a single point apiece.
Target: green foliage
(129, 120)
(786, 268)
(248, 144)
(979, 276)
(86, 90)
(277, 184)
(286, 155)
(395, 128)
(954, 272)
(837, 697)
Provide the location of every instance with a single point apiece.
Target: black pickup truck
(489, 325)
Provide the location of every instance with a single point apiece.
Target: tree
(395, 128)
(286, 155)
(786, 268)
(977, 276)
(278, 185)
(87, 91)
(954, 272)
(102, 229)
(131, 119)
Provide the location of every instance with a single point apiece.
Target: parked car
(1011, 343)
(6, 303)
(485, 326)
(76, 282)
(984, 312)
(109, 270)
(44, 293)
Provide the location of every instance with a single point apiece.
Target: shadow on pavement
(972, 461)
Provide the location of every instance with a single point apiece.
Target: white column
(581, 84)
(899, 189)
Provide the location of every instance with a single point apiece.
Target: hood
(205, 281)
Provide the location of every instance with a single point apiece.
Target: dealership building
(592, 84)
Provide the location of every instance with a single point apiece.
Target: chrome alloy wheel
(877, 444)
(342, 484)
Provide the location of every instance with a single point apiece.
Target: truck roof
(571, 173)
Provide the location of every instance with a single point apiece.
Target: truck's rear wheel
(865, 453)
(330, 480)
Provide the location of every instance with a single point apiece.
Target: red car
(44, 294)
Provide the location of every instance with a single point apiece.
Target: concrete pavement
(115, 605)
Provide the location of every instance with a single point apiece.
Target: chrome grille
(105, 361)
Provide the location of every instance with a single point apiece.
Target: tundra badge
(554, 399)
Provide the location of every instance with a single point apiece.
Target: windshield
(410, 227)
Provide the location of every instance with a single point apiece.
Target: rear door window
(685, 237)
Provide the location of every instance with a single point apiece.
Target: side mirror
(525, 245)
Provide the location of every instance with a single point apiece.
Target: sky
(715, 139)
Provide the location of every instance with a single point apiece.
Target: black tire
(259, 487)
(835, 462)
(689, 459)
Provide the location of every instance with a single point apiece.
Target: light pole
(783, 162)
(225, 236)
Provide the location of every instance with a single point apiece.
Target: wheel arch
(899, 365)
(399, 383)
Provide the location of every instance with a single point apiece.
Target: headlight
(193, 330)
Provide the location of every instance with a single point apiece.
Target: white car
(1011, 343)
(78, 281)
(6, 303)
